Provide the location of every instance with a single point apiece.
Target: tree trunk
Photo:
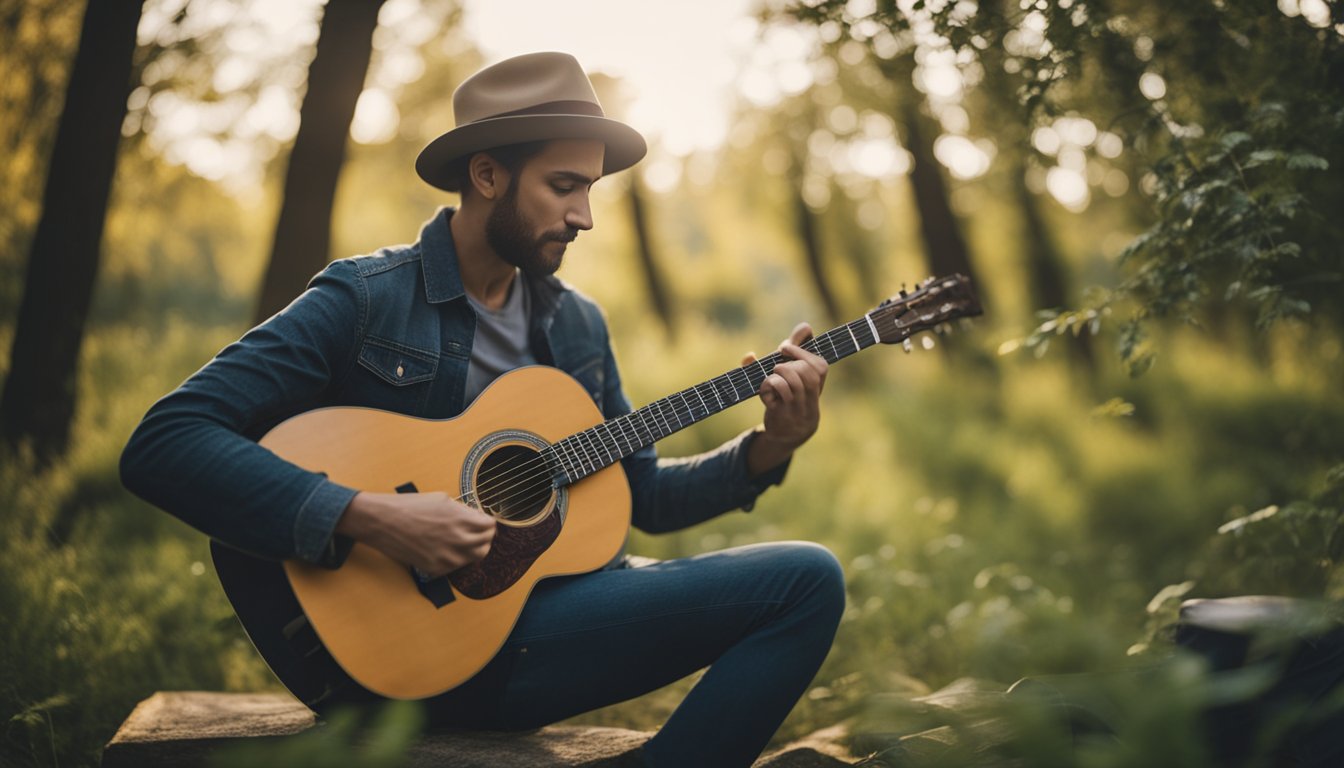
(943, 244)
(806, 223)
(38, 403)
(653, 278)
(335, 80)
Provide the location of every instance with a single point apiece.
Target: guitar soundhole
(514, 484)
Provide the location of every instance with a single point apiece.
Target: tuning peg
(908, 346)
(943, 329)
(926, 341)
(903, 292)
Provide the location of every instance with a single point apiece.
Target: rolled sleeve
(315, 524)
(195, 453)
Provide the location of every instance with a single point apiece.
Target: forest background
(1150, 410)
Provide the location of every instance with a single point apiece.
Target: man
(421, 330)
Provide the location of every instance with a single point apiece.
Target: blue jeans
(760, 617)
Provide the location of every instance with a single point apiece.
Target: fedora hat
(534, 97)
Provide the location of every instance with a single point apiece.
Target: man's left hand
(791, 394)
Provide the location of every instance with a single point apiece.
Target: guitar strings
(521, 479)
(539, 468)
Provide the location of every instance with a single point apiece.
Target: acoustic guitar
(533, 451)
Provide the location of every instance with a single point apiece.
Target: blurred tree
(809, 238)
(659, 291)
(615, 99)
(38, 39)
(335, 80)
(938, 226)
(38, 402)
(1047, 276)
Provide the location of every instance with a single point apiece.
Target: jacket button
(400, 371)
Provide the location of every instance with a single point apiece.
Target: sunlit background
(1145, 194)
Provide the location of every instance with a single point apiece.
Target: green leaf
(1263, 157)
(1116, 407)
(1303, 161)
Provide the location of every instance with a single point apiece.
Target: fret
(656, 408)
(607, 441)
(719, 383)
(567, 467)
(587, 438)
(746, 383)
(716, 395)
(689, 406)
(583, 465)
(628, 426)
(701, 398)
(650, 434)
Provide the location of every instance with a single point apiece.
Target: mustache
(563, 236)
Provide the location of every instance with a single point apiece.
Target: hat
(534, 97)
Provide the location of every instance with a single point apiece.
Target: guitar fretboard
(579, 455)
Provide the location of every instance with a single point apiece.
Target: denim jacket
(392, 330)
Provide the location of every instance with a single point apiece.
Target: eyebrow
(573, 176)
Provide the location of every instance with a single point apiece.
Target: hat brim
(435, 164)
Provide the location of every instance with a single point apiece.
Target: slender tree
(944, 246)
(38, 403)
(659, 292)
(335, 79)
(809, 237)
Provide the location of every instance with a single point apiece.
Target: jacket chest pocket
(399, 377)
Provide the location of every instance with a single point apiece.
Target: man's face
(545, 206)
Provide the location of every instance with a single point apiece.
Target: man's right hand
(428, 531)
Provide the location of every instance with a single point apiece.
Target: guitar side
(388, 636)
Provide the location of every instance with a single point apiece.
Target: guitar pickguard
(513, 551)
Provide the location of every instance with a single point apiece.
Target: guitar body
(390, 632)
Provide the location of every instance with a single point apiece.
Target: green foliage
(1232, 222)
(1295, 549)
(346, 738)
(105, 600)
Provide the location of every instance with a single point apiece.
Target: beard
(509, 234)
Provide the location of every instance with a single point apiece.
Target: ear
(488, 178)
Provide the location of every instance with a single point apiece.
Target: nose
(580, 214)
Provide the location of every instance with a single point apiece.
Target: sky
(683, 61)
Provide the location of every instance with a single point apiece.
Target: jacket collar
(438, 259)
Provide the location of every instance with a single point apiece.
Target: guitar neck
(581, 454)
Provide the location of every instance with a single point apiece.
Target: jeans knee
(821, 573)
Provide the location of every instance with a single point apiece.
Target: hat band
(553, 108)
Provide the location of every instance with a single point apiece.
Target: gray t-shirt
(501, 343)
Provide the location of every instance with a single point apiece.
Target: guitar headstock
(935, 301)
